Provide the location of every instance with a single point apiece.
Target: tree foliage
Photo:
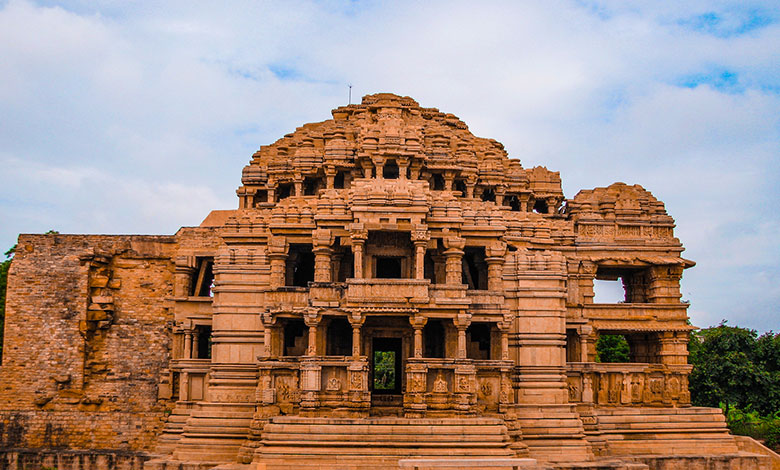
(735, 367)
(613, 348)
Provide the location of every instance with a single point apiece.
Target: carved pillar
(269, 321)
(420, 237)
(312, 319)
(418, 323)
(454, 255)
(462, 322)
(330, 176)
(587, 275)
(503, 328)
(322, 240)
(277, 256)
(185, 270)
(403, 165)
(495, 261)
(552, 205)
(195, 344)
(298, 184)
(187, 344)
(587, 344)
(359, 235)
(356, 319)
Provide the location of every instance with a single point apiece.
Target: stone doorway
(386, 373)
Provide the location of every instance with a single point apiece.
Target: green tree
(733, 367)
(613, 348)
(4, 266)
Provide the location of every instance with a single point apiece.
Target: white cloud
(138, 117)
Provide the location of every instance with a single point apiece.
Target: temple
(390, 286)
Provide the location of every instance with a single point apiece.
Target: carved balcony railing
(290, 385)
(387, 291)
(456, 385)
(628, 384)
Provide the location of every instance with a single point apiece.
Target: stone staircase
(553, 433)
(174, 426)
(659, 431)
(376, 443)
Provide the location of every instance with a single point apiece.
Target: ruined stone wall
(86, 335)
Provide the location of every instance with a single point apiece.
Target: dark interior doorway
(386, 370)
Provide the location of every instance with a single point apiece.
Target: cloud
(138, 117)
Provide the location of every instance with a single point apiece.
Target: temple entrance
(386, 367)
(386, 375)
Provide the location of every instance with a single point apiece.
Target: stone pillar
(454, 259)
(185, 270)
(359, 235)
(418, 323)
(195, 344)
(187, 344)
(552, 205)
(403, 165)
(673, 349)
(503, 328)
(321, 241)
(356, 319)
(587, 344)
(449, 179)
(269, 321)
(663, 284)
(420, 238)
(495, 260)
(335, 266)
(298, 184)
(312, 320)
(330, 177)
(462, 322)
(277, 256)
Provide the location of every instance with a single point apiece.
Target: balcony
(398, 292)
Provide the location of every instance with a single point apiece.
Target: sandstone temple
(390, 287)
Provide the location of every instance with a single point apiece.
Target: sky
(137, 117)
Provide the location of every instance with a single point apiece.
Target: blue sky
(137, 117)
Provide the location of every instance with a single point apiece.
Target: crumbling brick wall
(86, 334)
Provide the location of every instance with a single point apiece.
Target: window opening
(346, 266)
(300, 265)
(261, 196)
(438, 182)
(475, 268)
(390, 170)
(204, 341)
(478, 337)
(620, 285)
(338, 181)
(572, 346)
(203, 280)
(540, 207)
(388, 267)
(311, 186)
(433, 334)
(339, 338)
(613, 348)
(460, 186)
(513, 203)
(488, 195)
(283, 191)
(429, 267)
(295, 338)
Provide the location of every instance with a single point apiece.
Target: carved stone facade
(390, 285)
